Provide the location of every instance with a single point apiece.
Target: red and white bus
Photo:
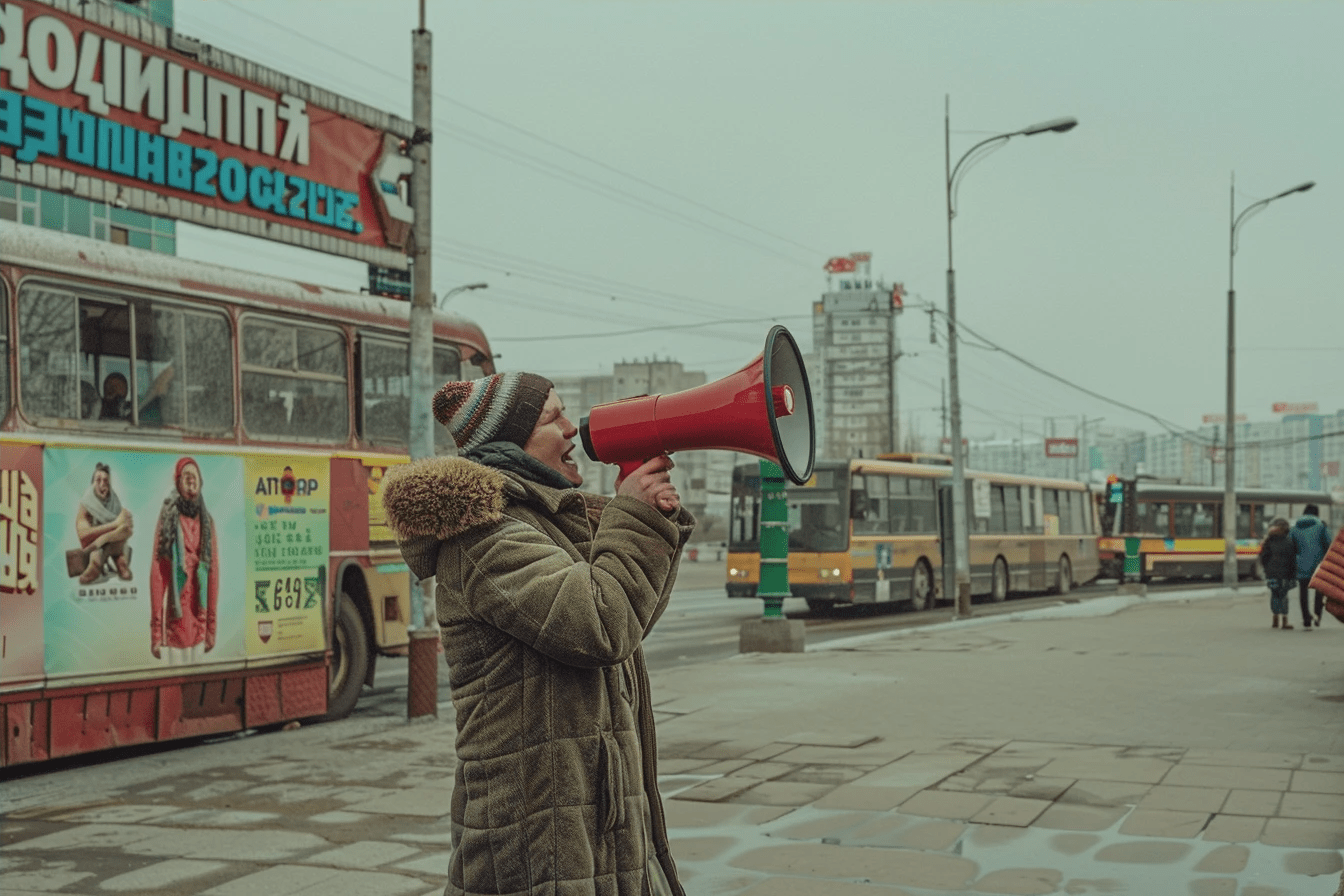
(123, 370)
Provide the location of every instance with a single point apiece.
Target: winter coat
(1312, 538)
(544, 597)
(1278, 555)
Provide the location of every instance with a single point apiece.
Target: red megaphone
(731, 414)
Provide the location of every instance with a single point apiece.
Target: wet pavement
(1173, 744)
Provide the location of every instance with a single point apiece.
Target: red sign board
(840, 265)
(163, 124)
(1222, 418)
(1295, 407)
(1061, 447)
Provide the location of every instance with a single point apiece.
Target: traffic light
(1115, 489)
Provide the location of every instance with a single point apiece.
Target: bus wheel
(921, 586)
(349, 660)
(820, 607)
(998, 589)
(1064, 577)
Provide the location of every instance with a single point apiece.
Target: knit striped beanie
(502, 407)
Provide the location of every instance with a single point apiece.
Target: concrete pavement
(1166, 745)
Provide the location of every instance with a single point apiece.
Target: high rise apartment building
(852, 369)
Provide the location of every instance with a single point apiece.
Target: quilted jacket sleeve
(588, 613)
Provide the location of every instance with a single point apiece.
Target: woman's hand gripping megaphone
(650, 482)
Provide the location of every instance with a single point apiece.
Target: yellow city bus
(868, 531)
(124, 370)
(1180, 527)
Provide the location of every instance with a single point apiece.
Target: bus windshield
(818, 511)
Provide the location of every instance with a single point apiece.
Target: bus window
(1050, 498)
(385, 386)
(997, 513)
(875, 518)
(1195, 520)
(923, 507)
(1247, 523)
(1012, 509)
(183, 365)
(49, 380)
(1155, 518)
(294, 381)
(207, 387)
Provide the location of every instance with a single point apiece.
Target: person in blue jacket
(1312, 538)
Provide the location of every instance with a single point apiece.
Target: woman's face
(552, 440)
(189, 483)
(102, 485)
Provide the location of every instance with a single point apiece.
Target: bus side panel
(82, 720)
(97, 718)
(27, 728)
(21, 601)
(350, 487)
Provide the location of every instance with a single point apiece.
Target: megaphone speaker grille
(795, 433)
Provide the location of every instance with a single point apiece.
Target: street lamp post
(457, 289)
(960, 538)
(1230, 422)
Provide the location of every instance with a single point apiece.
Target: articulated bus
(193, 539)
(868, 531)
(1180, 527)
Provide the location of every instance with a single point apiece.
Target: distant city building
(1295, 452)
(852, 366)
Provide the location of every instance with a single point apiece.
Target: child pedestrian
(1278, 556)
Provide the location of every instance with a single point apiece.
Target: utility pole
(422, 692)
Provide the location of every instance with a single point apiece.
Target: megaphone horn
(731, 414)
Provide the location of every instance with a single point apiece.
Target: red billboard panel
(1295, 407)
(1061, 447)
(166, 125)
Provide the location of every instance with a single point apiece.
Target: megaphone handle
(628, 466)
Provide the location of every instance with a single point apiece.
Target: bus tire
(922, 590)
(1064, 575)
(819, 607)
(998, 585)
(349, 660)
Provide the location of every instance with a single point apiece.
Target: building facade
(852, 369)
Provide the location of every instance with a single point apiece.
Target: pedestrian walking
(1312, 537)
(544, 595)
(1278, 558)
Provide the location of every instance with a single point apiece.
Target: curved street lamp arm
(1256, 207)
(989, 144)
(958, 172)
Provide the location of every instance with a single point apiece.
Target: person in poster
(184, 577)
(103, 526)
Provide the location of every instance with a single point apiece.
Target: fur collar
(442, 497)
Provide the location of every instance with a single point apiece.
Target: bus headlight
(830, 573)
(735, 573)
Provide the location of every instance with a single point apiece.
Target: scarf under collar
(100, 511)
(168, 546)
(512, 459)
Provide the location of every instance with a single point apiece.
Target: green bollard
(1133, 562)
(774, 584)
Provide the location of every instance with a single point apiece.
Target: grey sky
(684, 162)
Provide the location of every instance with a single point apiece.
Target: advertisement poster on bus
(141, 560)
(287, 530)
(20, 556)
